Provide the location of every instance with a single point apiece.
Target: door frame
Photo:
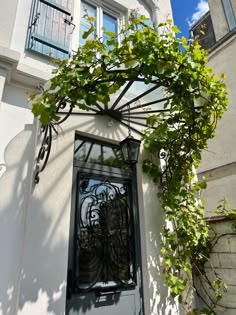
(112, 172)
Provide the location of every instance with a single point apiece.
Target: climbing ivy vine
(196, 99)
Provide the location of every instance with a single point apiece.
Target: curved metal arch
(130, 107)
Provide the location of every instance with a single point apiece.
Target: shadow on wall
(44, 267)
(160, 301)
(33, 240)
(34, 286)
(41, 287)
(34, 229)
(15, 190)
(43, 278)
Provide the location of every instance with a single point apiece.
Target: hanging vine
(195, 100)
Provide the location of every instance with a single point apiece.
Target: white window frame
(118, 12)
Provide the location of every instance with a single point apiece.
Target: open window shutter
(229, 14)
(50, 28)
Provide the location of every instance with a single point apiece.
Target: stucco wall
(7, 20)
(16, 138)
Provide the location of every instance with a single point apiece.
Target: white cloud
(200, 10)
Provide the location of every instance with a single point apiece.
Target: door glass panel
(112, 157)
(96, 153)
(104, 249)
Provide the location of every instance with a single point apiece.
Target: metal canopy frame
(128, 111)
(128, 114)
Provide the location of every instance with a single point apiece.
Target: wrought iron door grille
(104, 248)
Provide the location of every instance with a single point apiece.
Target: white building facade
(38, 223)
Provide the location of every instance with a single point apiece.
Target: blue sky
(187, 12)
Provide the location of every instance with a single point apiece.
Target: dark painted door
(104, 274)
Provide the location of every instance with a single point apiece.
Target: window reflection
(88, 151)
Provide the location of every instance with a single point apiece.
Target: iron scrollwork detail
(47, 132)
(104, 248)
(44, 151)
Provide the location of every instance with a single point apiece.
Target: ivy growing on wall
(196, 100)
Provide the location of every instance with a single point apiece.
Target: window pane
(110, 24)
(113, 157)
(95, 153)
(84, 25)
(81, 150)
(229, 14)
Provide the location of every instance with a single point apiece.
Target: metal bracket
(70, 23)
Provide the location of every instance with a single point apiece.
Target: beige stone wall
(223, 262)
(219, 166)
(218, 161)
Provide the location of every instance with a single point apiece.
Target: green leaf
(175, 29)
(111, 34)
(88, 32)
(91, 18)
(151, 120)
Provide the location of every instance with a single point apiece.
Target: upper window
(103, 20)
(229, 13)
(51, 25)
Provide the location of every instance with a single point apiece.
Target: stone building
(39, 225)
(216, 30)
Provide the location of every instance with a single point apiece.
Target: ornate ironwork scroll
(44, 151)
(47, 132)
(104, 248)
